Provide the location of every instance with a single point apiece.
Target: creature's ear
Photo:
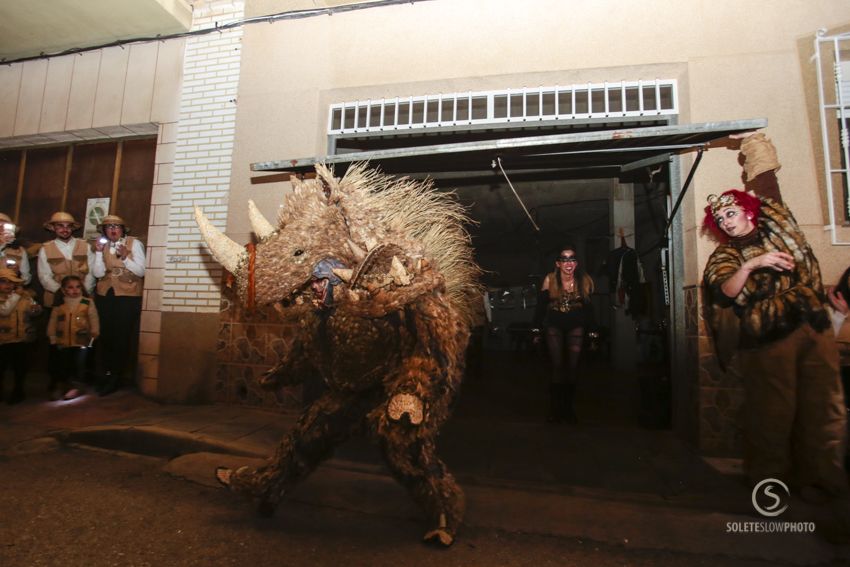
(262, 228)
(326, 180)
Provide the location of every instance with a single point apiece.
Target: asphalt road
(77, 507)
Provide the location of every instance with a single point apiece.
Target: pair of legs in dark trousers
(795, 420)
(562, 385)
(71, 369)
(14, 356)
(119, 317)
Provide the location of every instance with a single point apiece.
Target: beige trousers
(795, 419)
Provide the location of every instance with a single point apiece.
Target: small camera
(9, 227)
(10, 263)
(103, 240)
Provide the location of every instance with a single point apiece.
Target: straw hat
(9, 274)
(112, 219)
(62, 216)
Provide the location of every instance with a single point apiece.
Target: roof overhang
(609, 153)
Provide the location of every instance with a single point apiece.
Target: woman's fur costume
(379, 276)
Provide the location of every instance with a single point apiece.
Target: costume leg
(820, 429)
(326, 422)
(412, 459)
(770, 387)
(557, 386)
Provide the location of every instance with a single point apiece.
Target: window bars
(586, 101)
(834, 102)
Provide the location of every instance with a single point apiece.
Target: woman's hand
(836, 299)
(778, 261)
(742, 135)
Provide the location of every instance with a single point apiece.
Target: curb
(152, 441)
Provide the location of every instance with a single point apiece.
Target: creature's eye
(298, 252)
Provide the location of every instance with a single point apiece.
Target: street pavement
(619, 485)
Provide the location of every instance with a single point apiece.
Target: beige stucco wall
(734, 60)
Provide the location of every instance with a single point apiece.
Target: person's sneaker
(71, 394)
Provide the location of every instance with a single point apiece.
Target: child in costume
(73, 327)
(17, 309)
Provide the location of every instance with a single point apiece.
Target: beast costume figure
(379, 276)
(766, 301)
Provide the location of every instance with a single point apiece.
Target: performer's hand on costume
(778, 261)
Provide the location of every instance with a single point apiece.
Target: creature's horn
(343, 274)
(358, 252)
(398, 272)
(262, 228)
(225, 251)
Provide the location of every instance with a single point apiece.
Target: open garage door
(567, 181)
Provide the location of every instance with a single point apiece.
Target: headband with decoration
(725, 200)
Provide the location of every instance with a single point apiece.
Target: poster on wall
(96, 209)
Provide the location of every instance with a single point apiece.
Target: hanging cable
(271, 18)
(521, 204)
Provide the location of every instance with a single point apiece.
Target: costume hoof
(223, 476)
(439, 537)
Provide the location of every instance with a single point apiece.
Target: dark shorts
(570, 320)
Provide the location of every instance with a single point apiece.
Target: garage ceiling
(607, 153)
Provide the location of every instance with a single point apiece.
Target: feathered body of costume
(378, 275)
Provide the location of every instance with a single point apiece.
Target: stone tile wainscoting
(249, 343)
(719, 394)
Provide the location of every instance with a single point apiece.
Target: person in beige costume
(63, 256)
(12, 254)
(58, 258)
(119, 266)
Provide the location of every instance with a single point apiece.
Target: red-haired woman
(764, 272)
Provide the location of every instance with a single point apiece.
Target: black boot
(110, 383)
(556, 403)
(569, 414)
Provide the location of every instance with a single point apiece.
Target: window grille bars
(557, 103)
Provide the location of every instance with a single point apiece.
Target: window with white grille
(832, 58)
(556, 103)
